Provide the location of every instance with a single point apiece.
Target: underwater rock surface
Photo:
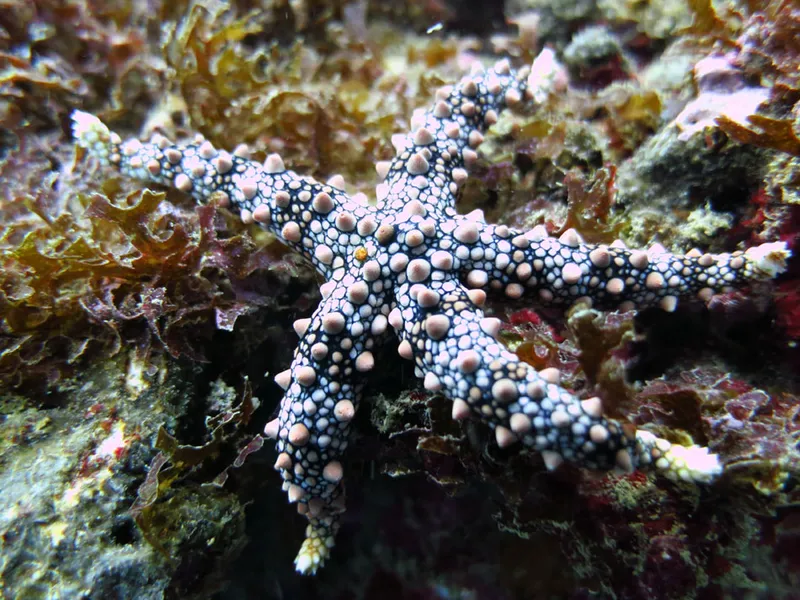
(139, 334)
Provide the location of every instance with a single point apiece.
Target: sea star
(412, 263)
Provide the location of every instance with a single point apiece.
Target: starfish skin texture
(412, 264)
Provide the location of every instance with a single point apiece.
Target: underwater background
(140, 334)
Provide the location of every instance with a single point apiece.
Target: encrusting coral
(412, 263)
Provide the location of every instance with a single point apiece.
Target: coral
(594, 56)
(679, 170)
(69, 479)
(399, 264)
(95, 370)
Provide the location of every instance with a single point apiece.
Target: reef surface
(139, 334)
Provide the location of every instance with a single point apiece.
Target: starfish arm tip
(567, 269)
(768, 260)
(85, 125)
(692, 464)
(94, 136)
(316, 548)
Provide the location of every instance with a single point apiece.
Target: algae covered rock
(69, 472)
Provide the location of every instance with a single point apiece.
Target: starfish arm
(431, 160)
(323, 387)
(562, 270)
(318, 220)
(455, 349)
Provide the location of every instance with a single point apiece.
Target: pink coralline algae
(412, 263)
(757, 432)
